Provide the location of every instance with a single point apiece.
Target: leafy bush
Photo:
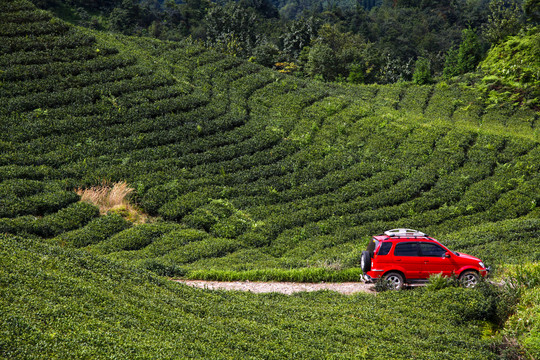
(95, 231)
(437, 282)
(134, 238)
(422, 71)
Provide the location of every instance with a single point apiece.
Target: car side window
(406, 249)
(429, 249)
(385, 248)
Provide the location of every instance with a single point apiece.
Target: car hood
(468, 257)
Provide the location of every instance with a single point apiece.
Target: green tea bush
(122, 300)
(183, 205)
(39, 204)
(163, 269)
(135, 238)
(70, 39)
(71, 217)
(173, 240)
(205, 248)
(95, 231)
(416, 98)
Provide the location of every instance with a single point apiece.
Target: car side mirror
(447, 254)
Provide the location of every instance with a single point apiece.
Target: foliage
(438, 282)
(512, 68)
(311, 275)
(505, 19)
(466, 58)
(422, 72)
(249, 170)
(232, 29)
(74, 305)
(524, 324)
(394, 32)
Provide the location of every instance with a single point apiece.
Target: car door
(407, 257)
(434, 260)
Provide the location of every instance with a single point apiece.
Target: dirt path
(281, 287)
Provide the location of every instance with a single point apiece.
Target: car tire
(365, 261)
(394, 281)
(469, 278)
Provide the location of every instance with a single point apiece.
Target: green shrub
(95, 231)
(437, 282)
(135, 238)
(183, 205)
(162, 269)
(69, 218)
(422, 71)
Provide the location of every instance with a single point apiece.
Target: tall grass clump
(112, 198)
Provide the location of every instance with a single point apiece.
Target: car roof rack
(404, 232)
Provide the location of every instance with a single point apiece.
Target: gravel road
(281, 287)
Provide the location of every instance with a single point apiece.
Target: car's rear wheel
(394, 280)
(469, 278)
(365, 261)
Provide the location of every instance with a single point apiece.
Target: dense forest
(366, 41)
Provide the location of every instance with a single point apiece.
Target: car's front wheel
(394, 280)
(469, 278)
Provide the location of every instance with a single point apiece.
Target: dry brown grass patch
(112, 198)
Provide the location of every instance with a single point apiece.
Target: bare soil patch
(288, 288)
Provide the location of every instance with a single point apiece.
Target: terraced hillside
(257, 169)
(240, 168)
(248, 168)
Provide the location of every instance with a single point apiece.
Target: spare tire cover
(365, 261)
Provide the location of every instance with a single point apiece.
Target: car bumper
(367, 278)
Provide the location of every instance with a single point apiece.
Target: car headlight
(481, 264)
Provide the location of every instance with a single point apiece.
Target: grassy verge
(282, 275)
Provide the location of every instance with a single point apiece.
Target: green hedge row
(56, 83)
(69, 218)
(95, 232)
(50, 27)
(39, 71)
(71, 39)
(135, 238)
(82, 53)
(23, 16)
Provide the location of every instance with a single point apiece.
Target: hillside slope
(61, 303)
(240, 168)
(257, 169)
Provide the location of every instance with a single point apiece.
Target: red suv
(402, 256)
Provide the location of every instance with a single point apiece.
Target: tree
(505, 19)
(422, 71)
(298, 35)
(532, 10)
(232, 29)
(322, 62)
(470, 51)
(466, 58)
